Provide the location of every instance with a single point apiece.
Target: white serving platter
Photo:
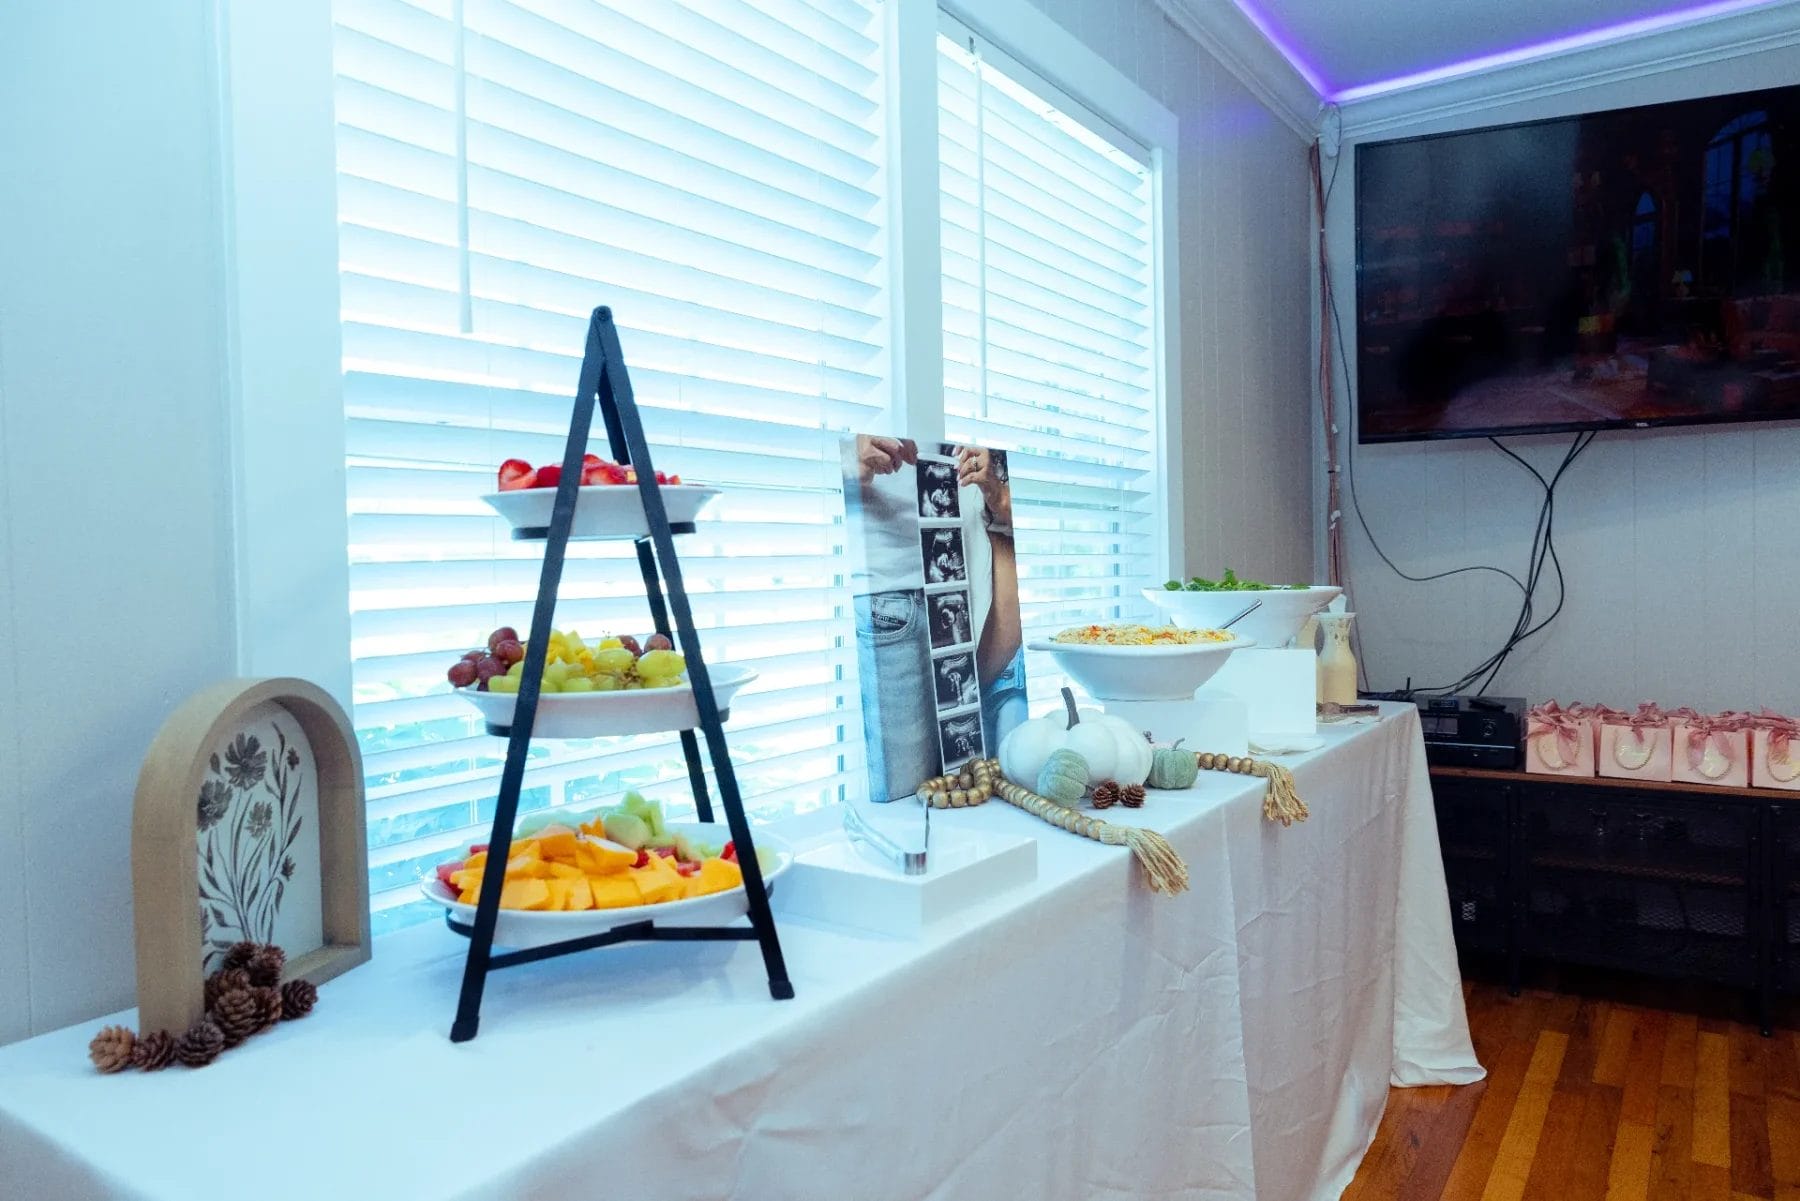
(601, 510)
(611, 714)
(526, 928)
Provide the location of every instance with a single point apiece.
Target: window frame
(280, 263)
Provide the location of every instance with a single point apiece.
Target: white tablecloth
(1080, 1038)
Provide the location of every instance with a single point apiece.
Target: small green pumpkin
(1063, 778)
(1172, 767)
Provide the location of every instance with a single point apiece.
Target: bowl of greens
(1208, 604)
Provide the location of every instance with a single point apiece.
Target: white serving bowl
(609, 714)
(601, 510)
(1141, 673)
(1283, 611)
(525, 928)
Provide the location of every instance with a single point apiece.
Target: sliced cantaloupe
(565, 871)
(466, 879)
(655, 887)
(557, 842)
(527, 893)
(560, 891)
(472, 894)
(615, 890)
(718, 875)
(581, 894)
(475, 862)
(597, 857)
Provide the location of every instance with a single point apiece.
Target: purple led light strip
(1518, 54)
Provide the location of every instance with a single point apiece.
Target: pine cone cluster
(111, 1049)
(1106, 794)
(1132, 796)
(202, 1044)
(297, 999)
(154, 1052)
(243, 998)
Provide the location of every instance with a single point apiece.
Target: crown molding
(1228, 36)
(1711, 40)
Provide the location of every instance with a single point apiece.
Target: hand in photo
(980, 468)
(878, 455)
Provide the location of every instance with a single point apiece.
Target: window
(718, 171)
(1050, 334)
(715, 172)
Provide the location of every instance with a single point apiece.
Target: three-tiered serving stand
(606, 384)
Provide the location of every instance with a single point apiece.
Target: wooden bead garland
(1280, 802)
(974, 785)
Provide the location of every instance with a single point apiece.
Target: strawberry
(548, 476)
(516, 473)
(661, 478)
(687, 869)
(675, 479)
(666, 852)
(443, 874)
(603, 472)
(477, 848)
(729, 854)
(591, 460)
(643, 857)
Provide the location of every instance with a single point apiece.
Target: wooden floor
(1589, 1098)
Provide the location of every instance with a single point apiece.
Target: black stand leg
(605, 383)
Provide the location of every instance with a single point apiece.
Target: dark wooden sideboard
(1669, 880)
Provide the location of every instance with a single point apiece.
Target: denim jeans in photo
(893, 660)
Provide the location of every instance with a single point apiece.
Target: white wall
(116, 466)
(1245, 301)
(1674, 542)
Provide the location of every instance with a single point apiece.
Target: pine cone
(238, 1015)
(268, 1008)
(265, 967)
(200, 1045)
(1132, 796)
(231, 979)
(297, 999)
(240, 954)
(111, 1049)
(154, 1052)
(1106, 794)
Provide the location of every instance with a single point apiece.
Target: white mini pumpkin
(1111, 746)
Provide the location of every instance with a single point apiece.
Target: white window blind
(1049, 335)
(712, 169)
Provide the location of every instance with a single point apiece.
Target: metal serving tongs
(1254, 606)
(863, 833)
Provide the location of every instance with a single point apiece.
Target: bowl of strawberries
(609, 502)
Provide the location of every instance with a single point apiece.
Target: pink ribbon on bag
(1649, 716)
(1703, 730)
(1782, 730)
(1563, 723)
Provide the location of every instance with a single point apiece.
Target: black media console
(1669, 880)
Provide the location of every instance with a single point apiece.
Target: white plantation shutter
(1049, 336)
(713, 170)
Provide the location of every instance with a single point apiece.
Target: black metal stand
(605, 383)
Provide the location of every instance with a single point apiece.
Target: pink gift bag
(1558, 743)
(1711, 750)
(1637, 746)
(1774, 757)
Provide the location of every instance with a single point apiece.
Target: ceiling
(1347, 49)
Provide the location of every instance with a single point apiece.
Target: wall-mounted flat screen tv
(1631, 268)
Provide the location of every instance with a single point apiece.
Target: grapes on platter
(614, 664)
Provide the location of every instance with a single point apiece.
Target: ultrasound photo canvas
(940, 654)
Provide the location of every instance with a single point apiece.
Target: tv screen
(1629, 268)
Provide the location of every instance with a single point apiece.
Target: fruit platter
(617, 685)
(1124, 661)
(1280, 612)
(607, 503)
(572, 877)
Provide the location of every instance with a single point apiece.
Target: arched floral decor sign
(248, 824)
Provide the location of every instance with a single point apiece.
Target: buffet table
(1076, 1038)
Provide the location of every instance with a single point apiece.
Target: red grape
(489, 668)
(463, 673)
(501, 635)
(659, 642)
(631, 644)
(472, 656)
(510, 651)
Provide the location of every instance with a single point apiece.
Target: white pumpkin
(1112, 747)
